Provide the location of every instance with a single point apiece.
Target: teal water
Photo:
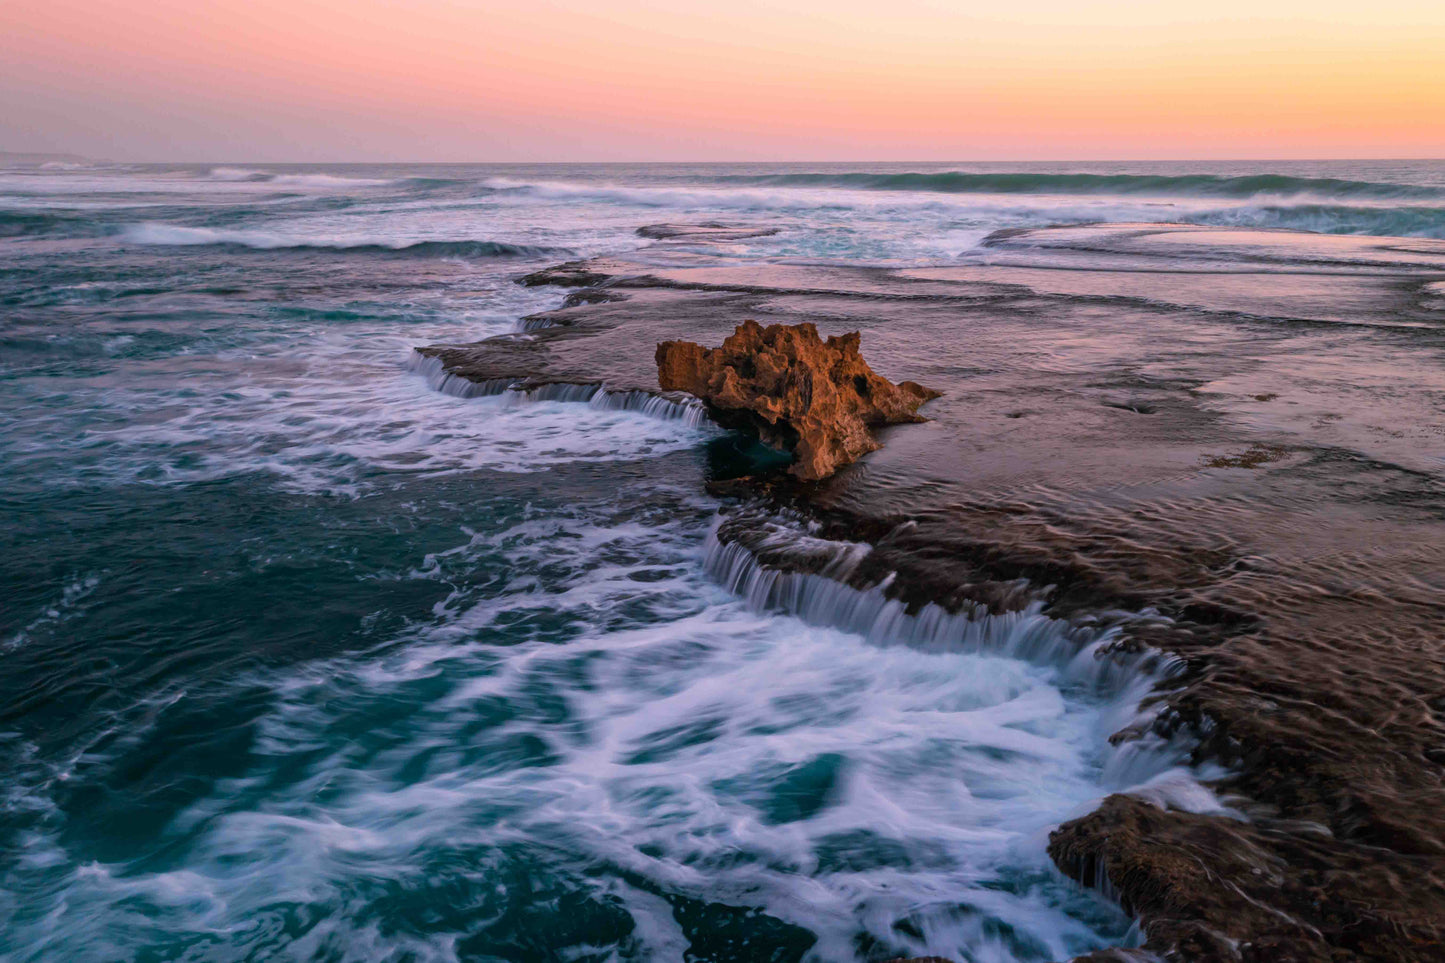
(303, 660)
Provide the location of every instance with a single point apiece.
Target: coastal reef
(817, 399)
(1221, 446)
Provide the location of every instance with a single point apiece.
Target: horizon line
(1013, 160)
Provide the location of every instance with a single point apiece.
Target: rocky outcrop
(815, 398)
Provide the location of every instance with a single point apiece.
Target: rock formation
(817, 399)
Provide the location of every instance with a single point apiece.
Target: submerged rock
(815, 398)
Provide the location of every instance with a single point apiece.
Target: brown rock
(817, 399)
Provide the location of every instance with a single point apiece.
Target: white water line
(690, 412)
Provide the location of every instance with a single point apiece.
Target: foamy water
(645, 742)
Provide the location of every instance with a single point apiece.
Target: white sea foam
(328, 180)
(246, 174)
(703, 199)
(699, 748)
(331, 435)
(922, 225)
(336, 411)
(677, 407)
(176, 235)
(1084, 655)
(236, 174)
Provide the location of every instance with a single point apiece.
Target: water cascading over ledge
(689, 411)
(818, 581)
(807, 577)
(817, 592)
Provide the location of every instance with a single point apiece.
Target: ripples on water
(306, 660)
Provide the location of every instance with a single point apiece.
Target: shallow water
(304, 659)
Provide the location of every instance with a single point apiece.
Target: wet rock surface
(1242, 432)
(818, 399)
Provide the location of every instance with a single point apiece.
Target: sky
(672, 80)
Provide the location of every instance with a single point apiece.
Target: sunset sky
(536, 80)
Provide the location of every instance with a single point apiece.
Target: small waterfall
(438, 378)
(689, 411)
(555, 391)
(1146, 765)
(1087, 654)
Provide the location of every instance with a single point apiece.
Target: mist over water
(305, 659)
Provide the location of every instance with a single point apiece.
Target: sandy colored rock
(815, 398)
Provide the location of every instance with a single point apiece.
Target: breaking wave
(1406, 221)
(1194, 185)
(247, 175)
(171, 235)
(704, 198)
(1262, 201)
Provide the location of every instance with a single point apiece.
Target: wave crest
(1405, 221)
(247, 175)
(1195, 185)
(174, 236)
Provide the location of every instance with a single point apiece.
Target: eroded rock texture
(815, 398)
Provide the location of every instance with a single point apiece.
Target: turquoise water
(303, 660)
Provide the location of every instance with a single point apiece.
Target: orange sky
(503, 80)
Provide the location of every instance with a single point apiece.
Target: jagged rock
(817, 399)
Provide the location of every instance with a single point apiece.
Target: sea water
(302, 658)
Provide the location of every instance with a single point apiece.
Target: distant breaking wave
(1409, 221)
(170, 235)
(1194, 185)
(1405, 215)
(680, 198)
(246, 175)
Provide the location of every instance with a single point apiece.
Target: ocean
(304, 659)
